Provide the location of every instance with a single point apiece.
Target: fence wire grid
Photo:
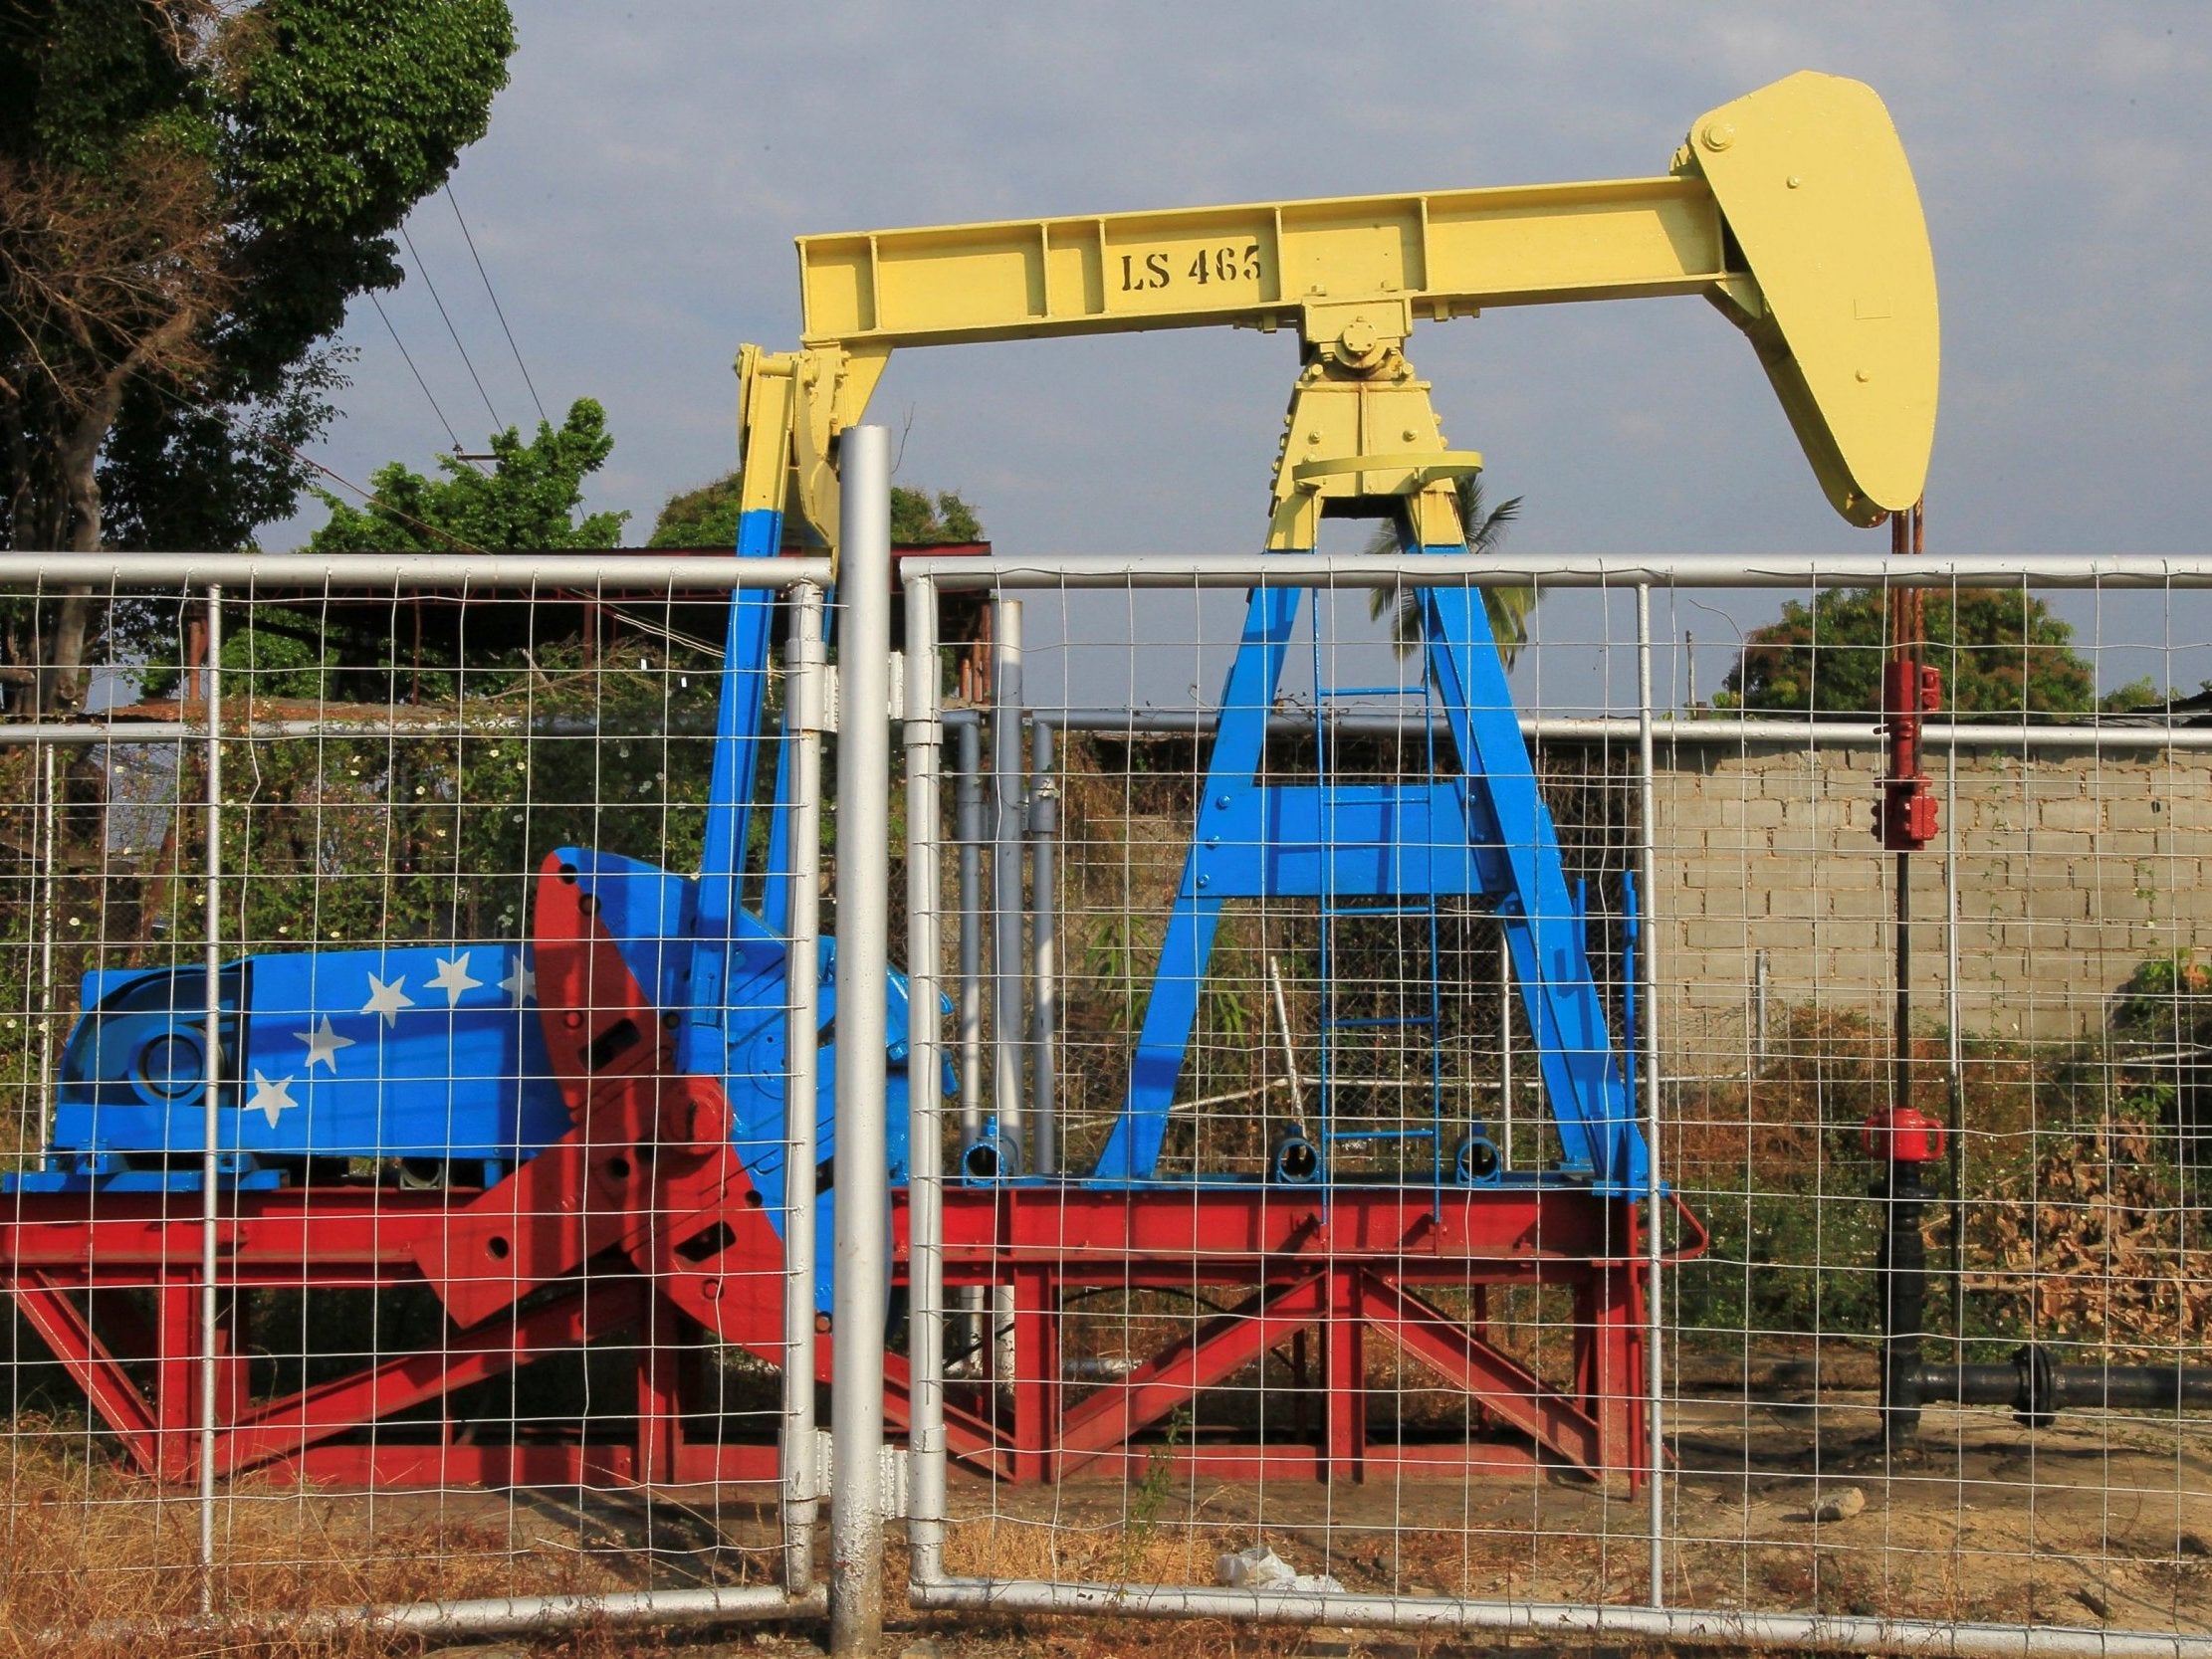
(1382, 1143)
(440, 1345)
(1363, 1345)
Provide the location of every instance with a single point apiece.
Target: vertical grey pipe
(1006, 774)
(1289, 1050)
(1505, 1043)
(1759, 1007)
(861, 1277)
(969, 831)
(1955, 1054)
(211, 1116)
(45, 962)
(1647, 861)
(803, 659)
(1044, 968)
(925, 1136)
(1008, 1031)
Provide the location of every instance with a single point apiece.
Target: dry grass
(90, 1551)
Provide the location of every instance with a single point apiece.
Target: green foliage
(919, 522)
(80, 81)
(708, 518)
(1999, 653)
(2137, 694)
(348, 111)
(1507, 608)
(532, 497)
(1148, 1497)
(241, 167)
(2143, 694)
(529, 499)
(440, 836)
(2163, 998)
(703, 518)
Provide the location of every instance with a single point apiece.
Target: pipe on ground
(2037, 1387)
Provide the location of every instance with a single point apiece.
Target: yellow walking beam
(1261, 266)
(1792, 209)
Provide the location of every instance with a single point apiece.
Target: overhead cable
(452, 436)
(423, 271)
(497, 309)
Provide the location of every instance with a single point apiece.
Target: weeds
(1148, 1497)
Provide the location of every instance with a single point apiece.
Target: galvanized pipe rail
(1564, 571)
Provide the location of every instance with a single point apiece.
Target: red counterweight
(1905, 819)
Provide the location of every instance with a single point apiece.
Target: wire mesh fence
(374, 1239)
(1390, 1138)
(1365, 1330)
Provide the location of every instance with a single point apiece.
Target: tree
(708, 518)
(919, 522)
(703, 518)
(514, 739)
(1999, 652)
(528, 499)
(190, 193)
(1508, 608)
(531, 497)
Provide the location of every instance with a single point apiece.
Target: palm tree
(1508, 608)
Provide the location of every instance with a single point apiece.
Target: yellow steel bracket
(792, 406)
(1361, 436)
(1793, 210)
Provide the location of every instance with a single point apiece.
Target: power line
(497, 309)
(452, 436)
(423, 271)
(216, 412)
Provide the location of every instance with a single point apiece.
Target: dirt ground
(2095, 1522)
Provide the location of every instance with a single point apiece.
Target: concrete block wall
(2071, 869)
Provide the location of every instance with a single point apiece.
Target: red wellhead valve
(1903, 1135)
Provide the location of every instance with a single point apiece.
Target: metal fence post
(1008, 980)
(1044, 968)
(862, 1250)
(49, 916)
(803, 1022)
(1006, 976)
(924, 1132)
(968, 830)
(1646, 862)
(211, 1115)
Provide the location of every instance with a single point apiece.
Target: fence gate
(404, 1233)
(1329, 1300)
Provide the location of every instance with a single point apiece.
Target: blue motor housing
(433, 1058)
(429, 1057)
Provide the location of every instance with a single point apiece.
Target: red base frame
(642, 1221)
(1352, 1273)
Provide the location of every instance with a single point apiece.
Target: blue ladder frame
(1485, 833)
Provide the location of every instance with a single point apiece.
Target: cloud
(646, 171)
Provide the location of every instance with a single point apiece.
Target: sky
(635, 199)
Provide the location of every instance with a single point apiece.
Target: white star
(322, 1046)
(521, 984)
(388, 999)
(453, 978)
(271, 1099)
